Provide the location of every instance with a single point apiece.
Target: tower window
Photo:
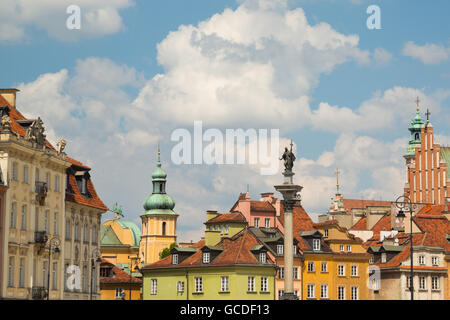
(164, 228)
(417, 136)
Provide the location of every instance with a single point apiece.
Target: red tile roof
(402, 256)
(360, 225)
(264, 206)
(236, 251)
(76, 196)
(436, 226)
(228, 217)
(350, 204)
(119, 276)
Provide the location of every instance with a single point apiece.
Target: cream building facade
(35, 206)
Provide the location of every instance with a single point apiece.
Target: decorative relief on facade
(35, 133)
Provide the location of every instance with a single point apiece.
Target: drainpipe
(187, 284)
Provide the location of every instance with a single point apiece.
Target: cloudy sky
(138, 70)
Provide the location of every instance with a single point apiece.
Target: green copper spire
(159, 202)
(415, 128)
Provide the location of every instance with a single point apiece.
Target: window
(383, 257)
(422, 283)
(310, 291)
(295, 273)
(120, 294)
(422, 260)
(76, 231)
(84, 276)
(355, 293)
(341, 293)
(341, 248)
(94, 234)
(206, 257)
(105, 272)
(198, 284)
(324, 267)
(408, 282)
(44, 274)
(13, 215)
(180, 286)
(164, 228)
(175, 258)
(67, 229)
(57, 183)
(48, 180)
(280, 249)
(262, 257)
(154, 286)
(264, 284)
(280, 294)
(256, 222)
(251, 284)
(46, 226)
(11, 272)
(22, 273)
(226, 229)
(267, 222)
(15, 176)
(25, 174)
(341, 270)
(85, 233)
(324, 291)
(224, 284)
(434, 283)
(311, 266)
(371, 260)
(55, 224)
(325, 233)
(435, 261)
(354, 270)
(349, 248)
(55, 276)
(316, 244)
(281, 273)
(221, 229)
(23, 225)
(295, 250)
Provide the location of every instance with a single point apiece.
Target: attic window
(383, 257)
(316, 244)
(280, 249)
(175, 258)
(262, 257)
(206, 257)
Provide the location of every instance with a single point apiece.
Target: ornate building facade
(36, 208)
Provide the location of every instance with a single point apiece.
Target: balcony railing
(41, 190)
(40, 237)
(38, 293)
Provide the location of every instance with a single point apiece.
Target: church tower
(159, 221)
(427, 177)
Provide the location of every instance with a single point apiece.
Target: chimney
(211, 214)
(268, 196)
(9, 95)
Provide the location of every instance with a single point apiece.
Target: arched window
(417, 136)
(160, 187)
(164, 228)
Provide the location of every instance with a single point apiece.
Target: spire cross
(428, 114)
(291, 144)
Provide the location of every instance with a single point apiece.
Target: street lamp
(406, 204)
(95, 258)
(53, 244)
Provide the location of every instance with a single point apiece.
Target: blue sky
(354, 88)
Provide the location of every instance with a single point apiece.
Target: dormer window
(383, 257)
(175, 258)
(280, 249)
(316, 244)
(262, 257)
(206, 257)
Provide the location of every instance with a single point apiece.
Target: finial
(337, 180)
(417, 103)
(428, 114)
(159, 156)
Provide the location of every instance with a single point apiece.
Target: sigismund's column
(289, 192)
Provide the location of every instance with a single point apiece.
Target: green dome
(159, 201)
(159, 173)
